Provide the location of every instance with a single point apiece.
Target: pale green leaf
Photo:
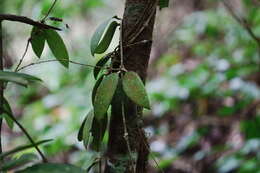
(97, 36)
(107, 38)
(135, 90)
(57, 47)
(104, 95)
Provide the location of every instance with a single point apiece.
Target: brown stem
(26, 20)
(1, 84)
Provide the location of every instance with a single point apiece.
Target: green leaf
(87, 129)
(23, 160)
(107, 38)
(94, 91)
(57, 47)
(84, 129)
(23, 147)
(52, 168)
(19, 78)
(104, 94)
(100, 64)
(163, 3)
(96, 38)
(135, 90)
(37, 41)
(7, 113)
(98, 131)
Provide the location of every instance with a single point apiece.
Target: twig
(243, 22)
(26, 20)
(49, 11)
(143, 27)
(21, 60)
(126, 138)
(28, 136)
(55, 60)
(121, 47)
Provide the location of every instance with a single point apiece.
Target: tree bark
(137, 31)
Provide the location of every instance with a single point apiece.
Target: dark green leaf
(100, 64)
(57, 47)
(94, 91)
(95, 40)
(23, 160)
(135, 90)
(37, 41)
(52, 168)
(104, 95)
(107, 38)
(19, 78)
(24, 147)
(98, 130)
(163, 3)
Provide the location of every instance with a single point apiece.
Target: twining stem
(1, 84)
(21, 60)
(49, 11)
(72, 62)
(126, 135)
(29, 137)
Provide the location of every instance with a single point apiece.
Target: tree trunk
(137, 31)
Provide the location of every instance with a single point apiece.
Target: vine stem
(21, 60)
(1, 84)
(126, 138)
(28, 136)
(55, 60)
(49, 11)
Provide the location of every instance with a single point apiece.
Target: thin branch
(21, 60)
(126, 138)
(29, 137)
(55, 60)
(49, 11)
(143, 27)
(26, 20)
(243, 22)
(121, 47)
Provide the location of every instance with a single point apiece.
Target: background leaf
(19, 78)
(135, 90)
(52, 168)
(163, 3)
(22, 160)
(57, 47)
(104, 94)
(37, 41)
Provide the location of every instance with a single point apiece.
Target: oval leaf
(37, 41)
(98, 35)
(94, 91)
(107, 38)
(98, 131)
(87, 129)
(52, 168)
(100, 64)
(104, 95)
(135, 90)
(57, 47)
